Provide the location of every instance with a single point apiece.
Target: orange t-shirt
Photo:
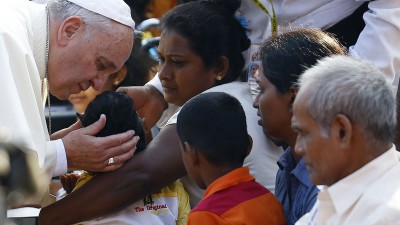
(236, 198)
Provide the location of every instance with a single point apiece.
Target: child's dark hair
(212, 31)
(215, 124)
(120, 116)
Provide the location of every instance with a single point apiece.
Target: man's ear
(250, 145)
(193, 155)
(342, 130)
(68, 29)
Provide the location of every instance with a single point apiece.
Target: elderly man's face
(325, 162)
(89, 62)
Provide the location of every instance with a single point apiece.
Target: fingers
(117, 139)
(119, 160)
(130, 91)
(62, 133)
(96, 127)
(92, 153)
(120, 154)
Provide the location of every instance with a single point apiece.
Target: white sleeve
(156, 82)
(61, 160)
(379, 41)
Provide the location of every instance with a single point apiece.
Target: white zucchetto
(116, 10)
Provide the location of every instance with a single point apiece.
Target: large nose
(99, 81)
(164, 71)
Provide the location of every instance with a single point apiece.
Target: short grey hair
(355, 88)
(62, 9)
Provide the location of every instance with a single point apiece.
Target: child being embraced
(214, 141)
(166, 207)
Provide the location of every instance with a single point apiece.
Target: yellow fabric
(174, 189)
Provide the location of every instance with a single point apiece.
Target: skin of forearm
(147, 172)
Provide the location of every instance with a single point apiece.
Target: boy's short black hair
(120, 113)
(215, 124)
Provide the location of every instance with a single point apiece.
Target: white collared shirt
(370, 195)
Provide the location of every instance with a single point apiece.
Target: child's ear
(250, 145)
(193, 155)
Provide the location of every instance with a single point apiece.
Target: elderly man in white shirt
(345, 116)
(73, 45)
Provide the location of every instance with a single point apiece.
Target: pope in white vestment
(22, 68)
(24, 34)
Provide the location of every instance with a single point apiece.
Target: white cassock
(22, 68)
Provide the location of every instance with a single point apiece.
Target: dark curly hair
(120, 114)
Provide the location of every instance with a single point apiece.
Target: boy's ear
(193, 155)
(250, 145)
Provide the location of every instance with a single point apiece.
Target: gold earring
(219, 77)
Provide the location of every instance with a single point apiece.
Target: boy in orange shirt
(214, 140)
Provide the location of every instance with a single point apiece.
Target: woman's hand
(148, 102)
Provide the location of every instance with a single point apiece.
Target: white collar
(348, 190)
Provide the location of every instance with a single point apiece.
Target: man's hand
(62, 133)
(87, 152)
(148, 102)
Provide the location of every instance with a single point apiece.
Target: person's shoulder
(226, 199)
(229, 87)
(383, 196)
(22, 14)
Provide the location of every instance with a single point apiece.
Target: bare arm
(148, 171)
(148, 101)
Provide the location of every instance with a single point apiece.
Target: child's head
(120, 114)
(213, 125)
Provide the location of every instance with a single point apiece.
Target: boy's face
(189, 156)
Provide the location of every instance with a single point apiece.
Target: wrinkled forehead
(116, 45)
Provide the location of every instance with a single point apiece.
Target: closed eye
(99, 65)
